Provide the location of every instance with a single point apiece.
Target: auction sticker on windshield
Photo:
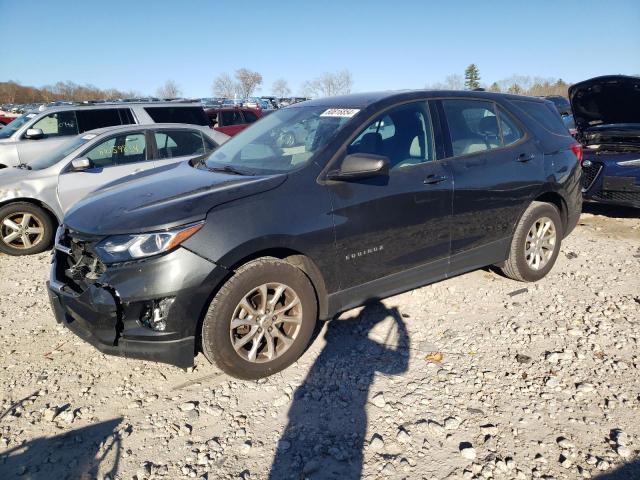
(340, 112)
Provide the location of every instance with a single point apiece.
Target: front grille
(77, 264)
(590, 174)
(630, 197)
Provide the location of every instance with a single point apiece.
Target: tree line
(244, 83)
(517, 84)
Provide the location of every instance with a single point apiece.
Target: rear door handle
(524, 157)
(434, 179)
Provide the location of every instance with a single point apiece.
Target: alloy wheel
(540, 243)
(266, 322)
(22, 230)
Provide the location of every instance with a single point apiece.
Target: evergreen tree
(494, 87)
(472, 77)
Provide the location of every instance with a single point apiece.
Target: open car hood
(608, 100)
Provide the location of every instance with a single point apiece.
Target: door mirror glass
(34, 133)
(80, 164)
(361, 165)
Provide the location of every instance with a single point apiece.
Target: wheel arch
(36, 202)
(559, 202)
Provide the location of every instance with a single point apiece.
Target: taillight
(576, 148)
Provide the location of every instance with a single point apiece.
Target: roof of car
(363, 100)
(134, 126)
(93, 106)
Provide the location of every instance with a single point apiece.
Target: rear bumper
(111, 313)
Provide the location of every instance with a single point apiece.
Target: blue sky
(138, 44)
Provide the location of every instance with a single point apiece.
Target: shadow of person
(75, 454)
(325, 435)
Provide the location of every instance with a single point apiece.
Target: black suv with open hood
(238, 253)
(606, 111)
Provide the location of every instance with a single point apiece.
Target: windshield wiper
(229, 169)
(23, 166)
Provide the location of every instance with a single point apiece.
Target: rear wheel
(535, 244)
(25, 229)
(261, 320)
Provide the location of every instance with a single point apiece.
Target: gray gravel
(534, 381)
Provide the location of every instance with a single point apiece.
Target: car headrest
(489, 126)
(371, 143)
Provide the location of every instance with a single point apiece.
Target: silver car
(33, 198)
(40, 131)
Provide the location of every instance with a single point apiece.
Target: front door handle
(524, 157)
(434, 179)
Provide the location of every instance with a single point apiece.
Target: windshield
(14, 126)
(52, 157)
(283, 141)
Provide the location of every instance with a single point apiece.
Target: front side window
(178, 143)
(249, 116)
(119, 150)
(58, 124)
(282, 141)
(473, 126)
(98, 118)
(402, 134)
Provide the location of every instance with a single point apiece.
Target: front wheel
(261, 320)
(25, 229)
(535, 244)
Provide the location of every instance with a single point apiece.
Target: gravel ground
(474, 377)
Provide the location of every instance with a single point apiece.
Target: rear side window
(510, 131)
(473, 126)
(249, 116)
(91, 119)
(231, 117)
(191, 115)
(58, 124)
(545, 114)
(179, 143)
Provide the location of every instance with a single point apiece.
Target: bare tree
(248, 81)
(224, 86)
(280, 88)
(170, 89)
(329, 84)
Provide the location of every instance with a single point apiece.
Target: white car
(34, 197)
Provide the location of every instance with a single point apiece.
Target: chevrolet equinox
(238, 252)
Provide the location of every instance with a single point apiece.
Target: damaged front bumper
(148, 309)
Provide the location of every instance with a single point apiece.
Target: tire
(518, 265)
(36, 239)
(248, 284)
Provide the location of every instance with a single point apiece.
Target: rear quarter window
(190, 115)
(545, 114)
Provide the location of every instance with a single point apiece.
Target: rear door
(176, 145)
(390, 224)
(496, 169)
(112, 159)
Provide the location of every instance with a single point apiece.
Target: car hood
(162, 198)
(612, 99)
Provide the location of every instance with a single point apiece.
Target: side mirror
(34, 133)
(361, 165)
(80, 164)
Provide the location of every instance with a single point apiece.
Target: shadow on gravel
(628, 471)
(75, 454)
(324, 438)
(613, 211)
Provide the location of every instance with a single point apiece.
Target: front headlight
(630, 163)
(121, 248)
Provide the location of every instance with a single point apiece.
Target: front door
(111, 159)
(387, 225)
(57, 128)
